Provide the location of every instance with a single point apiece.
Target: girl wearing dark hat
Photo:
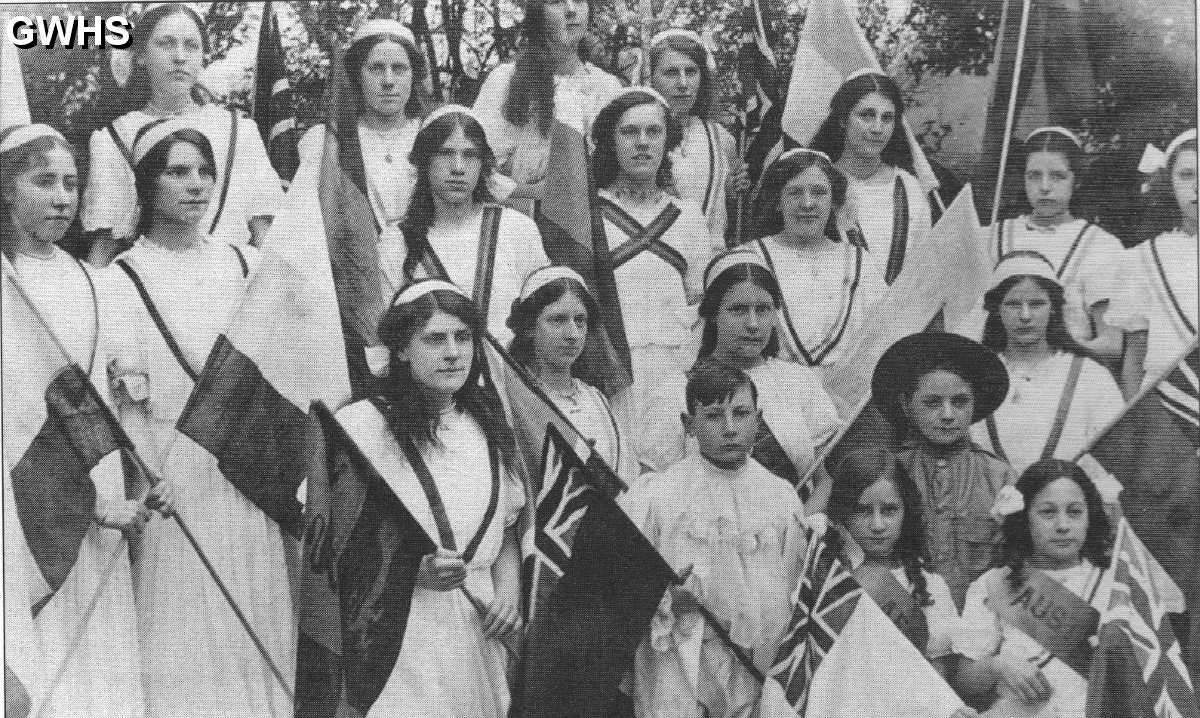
(932, 386)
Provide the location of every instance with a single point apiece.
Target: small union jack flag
(1180, 390)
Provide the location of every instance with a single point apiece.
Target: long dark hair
(531, 89)
(710, 305)
(413, 420)
(524, 316)
(1160, 208)
(768, 220)
(1058, 143)
(696, 53)
(420, 215)
(605, 166)
(860, 470)
(17, 162)
(831, 137)
(154, 163)
(1018, 541)
(995, 337)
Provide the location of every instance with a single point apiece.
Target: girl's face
(184, 187)
(640, 139)
(1049, 184)
(1058, 524)
(677, 78)
(1183, 179)
(43, 199)
(941, 407)
(805, 203)
(174, 54)
(869, 126)
(386, 78)
(560, 333)
(566, 22)
(1025, 314)
(745, 321)
(454, 170)
(439, 356)
(877, 519)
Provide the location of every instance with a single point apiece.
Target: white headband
(383, 26)
(797, 151)
(542, 276)
(28, 133)
(449, 110)
(1023, 263)
(1154, 159)
(729, 259)
(157, 132)
(1074, 138)
(645, 90)
(709, 61)
(421, 287)
(865, 71)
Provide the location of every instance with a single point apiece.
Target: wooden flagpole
(1011, 115)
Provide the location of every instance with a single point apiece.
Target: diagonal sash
(710, 189)
(1162, 275)
(899, 246)
(1062, 268)
(1060, 415)
(1049, 613)
(230, 153)
(485, 260)
(895, 601)
(647, 238)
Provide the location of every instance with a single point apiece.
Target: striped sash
(644, 238)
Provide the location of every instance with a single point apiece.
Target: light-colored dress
(522, 152)
(700, 166)
(875, 207)
(1159, 297)
(941, 616)
(447, 667)
(982, 633)
(741, 533)
(1024, 421)
(197, 658)
(110, 199)
(104, 676)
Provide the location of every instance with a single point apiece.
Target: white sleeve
(941, 616)
(1102, 396)
(489, 107)
(1130, 307)
(978, 633)
(110, 198)
(518, 252)
(1100, 275)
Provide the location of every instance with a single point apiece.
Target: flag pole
(1011, 114)
(151, 476)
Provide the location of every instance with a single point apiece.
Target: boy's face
(725, 430)
(941, 407)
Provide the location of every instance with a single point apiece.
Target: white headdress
(728, 259)
(1022, 263)
(1154, 159)
(1055, 130)
(679, 32)
(27, 133)
(542, 276)
(383, 26)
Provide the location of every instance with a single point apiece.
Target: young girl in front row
(1025, 626)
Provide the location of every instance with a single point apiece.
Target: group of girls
(441, 287)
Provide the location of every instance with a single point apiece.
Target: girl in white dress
(170, 296)
(1157, 306)
(441, 442)
(706, 166)
(829, 276)
(167, 52)
(40, 194)
(519, 102)
(1058, 399)
(864, 135)
(1057, 528)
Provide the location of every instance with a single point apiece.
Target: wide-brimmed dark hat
(906, 361)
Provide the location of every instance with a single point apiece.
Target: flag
(1138, 669)
(25, 664)
(1152, 450)
(272, 109)
(593, 582)
(282, 350)
(575, 237)
(758, 74)
(839, 637)
(831, 47)
(362, 550)
(12, 82)
(1056, 83)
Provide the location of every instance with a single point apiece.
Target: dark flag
(362, 550)
(593, 582)
(272, 108)
(758, 75)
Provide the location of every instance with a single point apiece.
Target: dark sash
(485, 260)
(229, 155)
(1062, 268)
(709, 190)
(1049, 613)
(1162, 275)
(120, 144)
(642, 239)
(1060, 416)
(899, 247)
(883, 588)
(95, 315)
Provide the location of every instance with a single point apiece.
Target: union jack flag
(1180, 390)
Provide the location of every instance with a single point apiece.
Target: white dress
(522, 152)
(941, 616)
(197, 658)
(1159, 297)
(827, 295)
(104, 674)
(110, 199)
(742, 534)
(874, 203)
(1024, 421)
(446, 667)
(700, 166)
(982, 633)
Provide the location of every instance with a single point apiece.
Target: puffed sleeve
(978, 632)
(109, 199)
(1130, 306)
(941, 616)
(1100, 273)
(489, 107)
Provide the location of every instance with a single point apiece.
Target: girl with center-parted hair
(829, 276)
(439, 438)
(1059, 400)
(520, 101)
(1055, 549)
(162, 68)
(659, 247)
(168, 299)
